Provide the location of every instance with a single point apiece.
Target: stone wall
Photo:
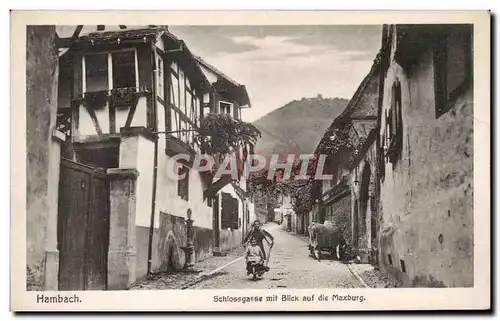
(340, 214)
(364, 199)
(427, 228)
(41, 106)
(172, 237)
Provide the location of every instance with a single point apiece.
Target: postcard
(250, 160)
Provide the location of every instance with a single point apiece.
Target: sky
(278, 64)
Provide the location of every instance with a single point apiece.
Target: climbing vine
(221, 134)
(303, 190)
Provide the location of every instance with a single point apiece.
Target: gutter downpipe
(155, 168)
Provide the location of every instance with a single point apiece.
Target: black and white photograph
(281, 157)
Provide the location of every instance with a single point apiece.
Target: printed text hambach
(42, 298)
(253, 163)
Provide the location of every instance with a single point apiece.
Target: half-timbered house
(233, 208)
(129, 101)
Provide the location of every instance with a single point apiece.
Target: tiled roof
(126, 34)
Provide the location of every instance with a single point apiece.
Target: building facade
(405, 187)
(129, 103)
(350, 198)
(426, 176)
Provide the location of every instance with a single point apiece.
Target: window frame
(231, 107)
(160, 77)
(109, 54)
(445, 100)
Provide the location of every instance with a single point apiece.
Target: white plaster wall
(159, 43)
(145, 165)
(211, 76)
(140, 115)
(161, 117)
(86, 126)
(169, 202)
(121, 117)
(128, 152)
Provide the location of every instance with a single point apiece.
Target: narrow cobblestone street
(290, 267)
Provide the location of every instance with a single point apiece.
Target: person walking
(259, 234)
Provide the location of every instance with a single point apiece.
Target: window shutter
(393, 111)
(399, 128)
(234, 208)
(227, 212)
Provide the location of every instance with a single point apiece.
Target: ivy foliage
(336, 139)
(305, 191)
(221, 134)
(336, 144)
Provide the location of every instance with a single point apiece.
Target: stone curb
(357, 277)
(206, 275)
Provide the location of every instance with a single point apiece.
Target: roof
(146, 34)
(125, 34)
(189, 58)
(360, 90)
(215, 70)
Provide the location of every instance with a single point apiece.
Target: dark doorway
(83, 227)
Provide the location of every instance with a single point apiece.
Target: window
(184, 106)
(96, 73)
(123, 69)
(403, 267)
(183, 184)
(452, 66)
(225, 108)
(394, 125)
(105, 71)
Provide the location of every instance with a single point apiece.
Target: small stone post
(122, 240)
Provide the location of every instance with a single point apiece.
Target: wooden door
(83, 227)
